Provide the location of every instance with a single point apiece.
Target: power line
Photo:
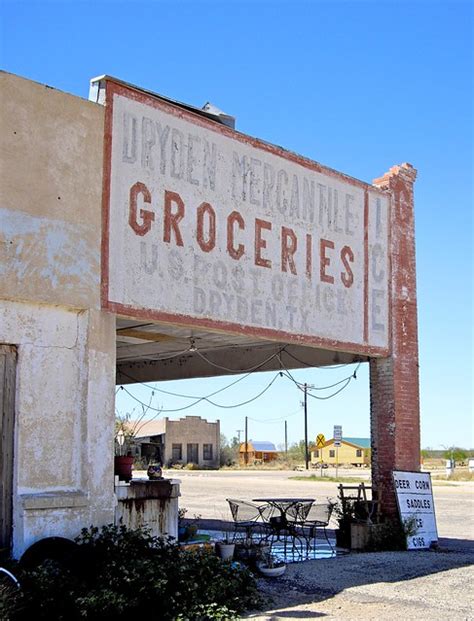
(308, 364)
(218, 405)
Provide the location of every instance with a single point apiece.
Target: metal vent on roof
(97, 95)
(222, 117)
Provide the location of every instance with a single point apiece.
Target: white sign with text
(214, 228)
(415, 503)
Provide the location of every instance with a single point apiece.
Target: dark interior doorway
(7, 426)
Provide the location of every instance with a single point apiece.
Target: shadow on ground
(414, 582)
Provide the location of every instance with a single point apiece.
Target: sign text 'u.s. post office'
(209, 227)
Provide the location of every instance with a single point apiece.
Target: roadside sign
(337, 435)
(320, 440)
(415, 504)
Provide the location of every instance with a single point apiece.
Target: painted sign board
(320, 440)
(415, 503)
(205, 226)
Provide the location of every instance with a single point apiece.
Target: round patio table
(280, 524)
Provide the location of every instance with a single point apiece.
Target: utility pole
(286, 440)
(306, 426)
(246, 455)
(238, 432)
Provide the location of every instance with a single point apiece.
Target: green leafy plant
(122, 572)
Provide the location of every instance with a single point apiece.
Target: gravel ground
(384, 585)
(431, 585)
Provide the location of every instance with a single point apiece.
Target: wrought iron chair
(248, 517)
(284, 523)
(317, 517)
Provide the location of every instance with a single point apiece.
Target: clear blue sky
(358, 86)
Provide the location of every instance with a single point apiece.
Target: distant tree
(456, 453)
(297, 450)
(425, 454)
(229, 452)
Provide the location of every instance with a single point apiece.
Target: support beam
(394, 385)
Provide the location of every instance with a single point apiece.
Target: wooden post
(246, 457)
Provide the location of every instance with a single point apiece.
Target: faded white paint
(378, 270)
(166, 270)
(64, 419)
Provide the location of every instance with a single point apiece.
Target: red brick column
(394, 388)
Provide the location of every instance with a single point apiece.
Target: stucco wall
(192, 430)
(50, 195)
(63, 467)
(50, 235)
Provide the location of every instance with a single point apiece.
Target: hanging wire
(307, 364)
(170, 356)
(206, 399)
(250, 369)
(174, 394)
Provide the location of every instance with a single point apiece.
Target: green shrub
(120, 572)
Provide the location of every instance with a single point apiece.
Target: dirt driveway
(427, 585)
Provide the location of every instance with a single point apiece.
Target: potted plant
(225, 547)
(123, 461)
(344, 520)
(187, 529)
(125, 431)
(270, 566)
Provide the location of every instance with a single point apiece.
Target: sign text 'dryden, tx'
(210, 227)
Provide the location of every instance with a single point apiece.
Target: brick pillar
(394, 388)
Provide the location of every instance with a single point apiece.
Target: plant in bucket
(123, 463)
(270, 566)
(225, 547)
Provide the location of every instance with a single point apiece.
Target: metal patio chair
(318, 517)
(248, 517)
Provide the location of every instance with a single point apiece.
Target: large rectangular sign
(415, 503)
(208, 227)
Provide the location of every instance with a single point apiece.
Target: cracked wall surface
(50, 236)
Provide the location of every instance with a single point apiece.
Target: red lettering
(208, 245)
(147, 216)
(288, 249)
(172, 220)
(309, 255)
(261, 243)
(233, 217)
(324, 260)
(347, 277)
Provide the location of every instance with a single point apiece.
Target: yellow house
(354, 451)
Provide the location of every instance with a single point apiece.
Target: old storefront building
(142, 240)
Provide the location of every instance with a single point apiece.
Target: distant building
(188, 440)
(257, 452)
(355, 451)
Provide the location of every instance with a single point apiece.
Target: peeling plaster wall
(50, 195)
(50, 236)
(64, 419)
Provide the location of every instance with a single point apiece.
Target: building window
(316, 453)
(193, 454)
(359, 453)
(177, 452)
(207, 451)
(332, 453)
